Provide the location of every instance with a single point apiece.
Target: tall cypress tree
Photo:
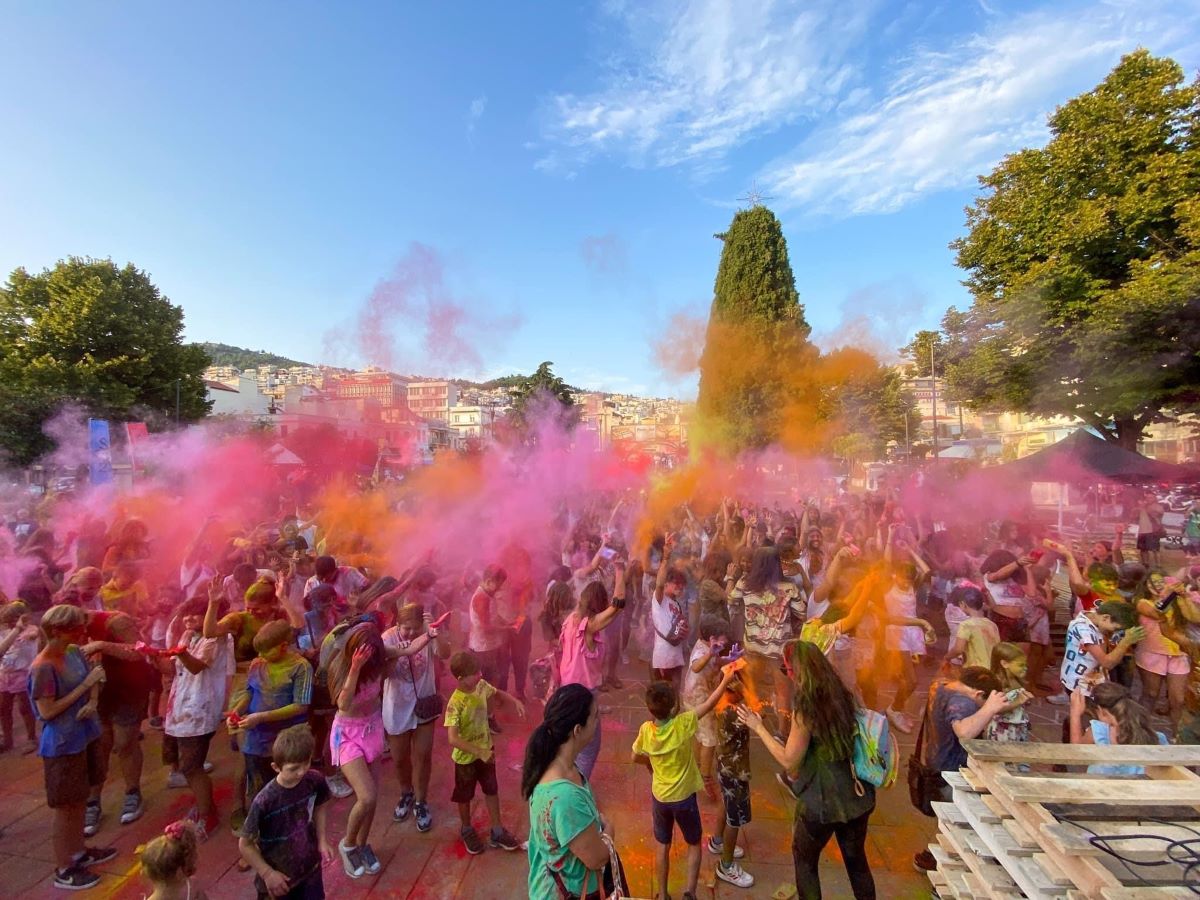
(757, 336)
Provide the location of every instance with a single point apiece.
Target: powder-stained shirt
(1079, 665)
(66, 733)
(274, 686)
(733, 744)
(981, 636)
(669, 746)
(197, 699)
(769, 616)
(467, 711)
(559, 811)
(281, 822)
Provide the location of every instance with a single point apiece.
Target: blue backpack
(876, 754)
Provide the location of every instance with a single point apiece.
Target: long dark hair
(593, 599)
(822, 701)
(765, 570)
(567, 709)
(362, 634)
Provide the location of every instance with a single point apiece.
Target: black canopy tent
(1082, 458)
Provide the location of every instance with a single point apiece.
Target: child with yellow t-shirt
(665, 747)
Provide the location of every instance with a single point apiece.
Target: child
(664, 746)
(733, 773)
(1085, 660)
(276, 696)
(169, 862)
(1118, 720)
(1010, 667)
(18, 647)
(474, 762)
(194, 708)
(669, 620)
(162, 609)
(284, 839)
(977, 635)
(699, 680)
(905, 638)
(126, 592)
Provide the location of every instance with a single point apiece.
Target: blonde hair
(173, 852)
(1005, 652)
(62, 617)
(10, 612)
(272, 635)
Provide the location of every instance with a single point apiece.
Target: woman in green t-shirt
(568, 855)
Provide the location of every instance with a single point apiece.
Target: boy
(698, 681)
(1085, 660)
(733, 773)
(977, 634)
(664, 746)
(668, 620)
(277, 695)
(284, 838)
(474, 762)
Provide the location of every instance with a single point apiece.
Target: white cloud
(475, 112)
(704, 76)
(951, 115)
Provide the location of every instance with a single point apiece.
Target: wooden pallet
(1017, 829)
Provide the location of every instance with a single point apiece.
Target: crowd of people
(779, 621)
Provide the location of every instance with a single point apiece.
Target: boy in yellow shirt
(664, 746)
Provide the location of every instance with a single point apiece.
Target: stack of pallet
(1016, 828)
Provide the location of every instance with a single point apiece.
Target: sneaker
(503, 840)
(1060, 699)
(472, 841)
(176, 780)
(208, 767)
(93, 856)
(207, 828)
(735, 875)
(131, 809)
(900, 721)
(338, 786)
(75, 878)
(370, 861)
(925, 861)
(403, 808)
(716, 846)
(156, 722)
(91, 819)
(423, 817)
(352, 861)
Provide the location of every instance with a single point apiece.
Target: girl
(1158, 657)
(820, 749)
(1006, 582)
(1010, 668)
(1118, 720)
(410, 705)
(905, 638)
(18, 647)
(356, 738)
(169, 862)
(699, 681)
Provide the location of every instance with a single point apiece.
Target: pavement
(435, 864)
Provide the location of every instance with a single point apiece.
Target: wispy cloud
(952, 114)
(605, 255)
(475, 112)
(701, 77)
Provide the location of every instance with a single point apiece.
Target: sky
(469, 189)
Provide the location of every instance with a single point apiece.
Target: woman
(820, 750)
(411, 704)
(568, 853)
(1007, 584)
(583, 649)
(714, 601)
(356, 739)
(773, 610)
(1158, 657)
(60, 687)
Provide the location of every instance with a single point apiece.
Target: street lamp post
(933, 388)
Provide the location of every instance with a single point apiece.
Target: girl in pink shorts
(356, 738)
(1158, 657)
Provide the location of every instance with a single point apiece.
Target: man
(489, 634)
(1149, 539)
(958, 711)
(346, 581)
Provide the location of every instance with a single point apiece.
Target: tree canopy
(542, 395)
(90, 333)
(242, 358)
(1083, 261)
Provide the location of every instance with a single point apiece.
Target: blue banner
(99, 452)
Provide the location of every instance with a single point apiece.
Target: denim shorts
(684, 813)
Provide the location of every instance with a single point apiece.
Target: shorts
(684, 813)
(1149, 543)
(70, 779)
(466, 776)
(736, 794)
(311, 888)
(1163, 663)
(122, 704)
(356, 738)
(1015, 631)
(188, 753)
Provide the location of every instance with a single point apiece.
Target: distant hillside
(507, 381)
(241, 358)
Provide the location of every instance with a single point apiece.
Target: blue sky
(562, 168)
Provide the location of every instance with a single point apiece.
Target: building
(432, 399)
(476, 422)
(238, 397)
(385, 388)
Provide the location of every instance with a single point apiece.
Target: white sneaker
(715, 847)
(176, 780)
(1059, 699)
(338, 786)
(900, 721)
(735, 875)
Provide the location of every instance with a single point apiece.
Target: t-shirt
(769, 616)
(943, 750)
(482, 637)
(559, 811)
(197, 699)
(408, 678)
(280, 821)
(274, 686)
(19, 657)
(580, 665)
(669, 746)
(346, 583)
(63, 735)
(132, 600)
(467, 711)
(1079, 665)
(665, 613)
(981, 636)
(1102, 736)
(697, 686)
(733, 744)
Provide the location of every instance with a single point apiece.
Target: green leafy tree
(757, 336)
(539, 397)
(242, 358)
(90, 333)
(871, 405)
(1083, 259)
